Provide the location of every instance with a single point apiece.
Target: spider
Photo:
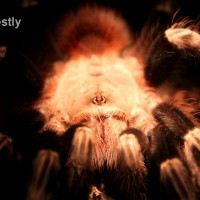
(116, 118)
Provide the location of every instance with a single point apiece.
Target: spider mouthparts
(96, 116)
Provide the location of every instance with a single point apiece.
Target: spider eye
(99, 100)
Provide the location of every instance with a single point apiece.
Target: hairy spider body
(107, 124)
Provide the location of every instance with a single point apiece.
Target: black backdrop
(137, 12)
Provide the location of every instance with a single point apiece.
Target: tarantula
(116, 118)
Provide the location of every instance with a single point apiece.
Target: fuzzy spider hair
(111, 120)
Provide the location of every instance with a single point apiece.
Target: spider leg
(77, 180)
(98, 194)
(6, 148)
(81, 148)
(174, 57)
(6, 156)
(173, 118)
(44, 178)
(192, 153)
(130, 175)
(167, 149)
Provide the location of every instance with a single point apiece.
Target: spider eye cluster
(100, 100)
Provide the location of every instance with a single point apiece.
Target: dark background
(43, 14)
(136, 12)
